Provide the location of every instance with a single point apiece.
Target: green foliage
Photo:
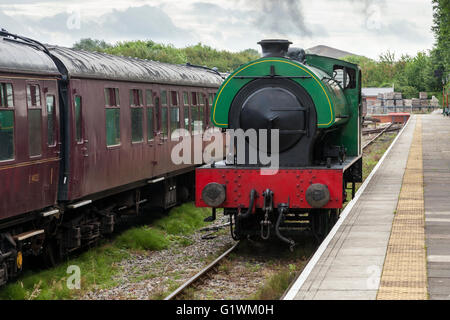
(441, 29)
(408, 75)
(89, 44)
(198, 54)
(184, 219)
(408, 92)
(143, 238)
(274, 288)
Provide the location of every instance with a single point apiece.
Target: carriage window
(194, 98)
(197, 120)
(174, 114)
(164, 97)
(201, 119)
(173, 98)
(186, 110)
(193, 118)
(51, 136)
(136, 97)
(210, 99)
(77, 116)
(6, 95)
(149, 97)
(150, 127)
(157, 115)
(186, 117)
(34, 132)
(6, 135)
(33, 95)
(137, 130)
(174, 121)
(112, 126)
(112, 97)
(164, 121)
(201, 98)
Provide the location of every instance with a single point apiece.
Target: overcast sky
(367, 27)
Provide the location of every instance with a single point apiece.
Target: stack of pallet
(424, 102)
(379, 104)
(398, 101)
(393, 101)
(389, 102)
(407, 105)
(415, 103)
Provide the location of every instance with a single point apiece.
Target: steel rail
(378, 135)
(200, 274)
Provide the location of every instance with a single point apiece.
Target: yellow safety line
(404, 274)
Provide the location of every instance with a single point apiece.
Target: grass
(183, 220)
(372, 154)
(276, 285)
(97, 267)
(143, 238)
(100, 266)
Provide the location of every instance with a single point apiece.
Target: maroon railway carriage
(85, 138)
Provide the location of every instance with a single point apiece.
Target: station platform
(392, 241)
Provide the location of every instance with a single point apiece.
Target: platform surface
(436, 175)
(364, 252)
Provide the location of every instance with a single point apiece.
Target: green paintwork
(334, 106)
(349, 135)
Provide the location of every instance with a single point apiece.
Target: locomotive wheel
(322, 221)
(319, 222)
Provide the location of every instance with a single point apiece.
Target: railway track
(201, 274)
(390, 127)
(380, 132)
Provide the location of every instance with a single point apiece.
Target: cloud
(281, 16)
(367, 27)
(11, 24)
(145, 22)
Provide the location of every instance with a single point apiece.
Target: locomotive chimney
(274, 47)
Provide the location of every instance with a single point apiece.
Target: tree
(441, 29)
(89, 44)
(198, 54)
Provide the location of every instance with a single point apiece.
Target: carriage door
(79, 141)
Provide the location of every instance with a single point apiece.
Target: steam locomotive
(315, 104)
